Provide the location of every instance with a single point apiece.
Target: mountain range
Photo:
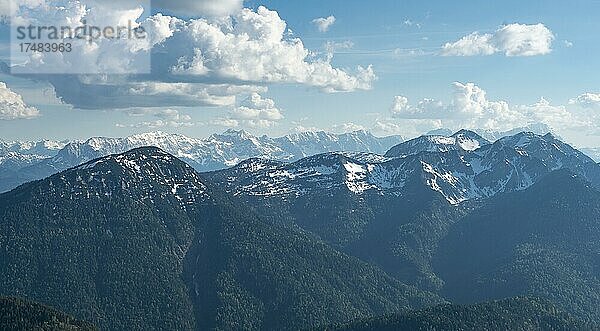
(396, 211)
(140, 240)
(493, 135)
(460, 167)
(22, 162)
(429, 234)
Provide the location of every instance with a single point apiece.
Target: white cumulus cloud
(587, 100)
(225, 122)
(554, 116)
(254, 48)
(195, 61)
(424, 109)
(166, 117)
(101, 55)
(512, 40)
(469, 107)
(254, 111)
(348, 127)
(256, 107)
(12, 105)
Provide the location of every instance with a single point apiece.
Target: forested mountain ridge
(412, 231)
(460, 167)
(542, 241)
(104, 241)
(394, 210)
(138, 240)
(20, 315)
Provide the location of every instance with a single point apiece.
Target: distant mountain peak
(439, 132)
(524, 138)
(237, 133)
(360, 132)
(155, 134)
(463, 141)
(536, 128)
(137, 159)
(467, 133)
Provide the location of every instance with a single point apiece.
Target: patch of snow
(443, 140)
(469, 144)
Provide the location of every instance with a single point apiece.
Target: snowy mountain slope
(537, 128)
(19, 154)
(147, 172)
(453, 166)
(311, 143)
(44, 147)
(493, 135)
(218, 151)
(464, 141)
(594, 153)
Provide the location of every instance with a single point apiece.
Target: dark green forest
(91, 242)
(518, 314)
(22, 315)
(141, 241)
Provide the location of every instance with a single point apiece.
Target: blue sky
(402, 40)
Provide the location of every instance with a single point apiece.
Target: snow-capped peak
(462, 141)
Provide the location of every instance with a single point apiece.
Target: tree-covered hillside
(142, 241)
(274, 277)
(138, 241)
(542, 242)
(22, 315)
(398, 233)
(518, 314)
